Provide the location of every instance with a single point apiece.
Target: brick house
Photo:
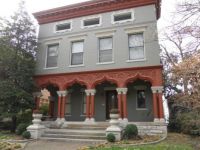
(98, 55)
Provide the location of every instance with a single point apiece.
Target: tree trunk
(14, 123)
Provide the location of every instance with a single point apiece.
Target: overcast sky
(7, 7)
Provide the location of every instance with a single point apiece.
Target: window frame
(71, 65)
(109, 62)
(60, 23)
(139, 59)
(90, 18)
(47, 50)
(121, 12)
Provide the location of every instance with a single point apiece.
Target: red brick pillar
(119, 97)
(59, 106)
(157, 103)
(64, 99)
(92, 92)
(124, 99)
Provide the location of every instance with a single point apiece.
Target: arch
(103, 79)
(72, 82)
(47, 83)
(136, 77)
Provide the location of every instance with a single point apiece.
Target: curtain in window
(136, 46)
(77, 53)
(52, 56)
(105, 52)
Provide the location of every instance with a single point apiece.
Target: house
(99, 55)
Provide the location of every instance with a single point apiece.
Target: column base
(59, 122)
(156, 120)
(162, 120)
(36, 130)
(123, 122)
(89, 121)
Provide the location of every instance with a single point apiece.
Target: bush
(25, 117)
(26, 134)
(21, 128)
(110, 137)
(131, 131)
(44, 109)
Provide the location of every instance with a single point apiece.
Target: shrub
(44, 109)
(21, 128)
(26, 134)
(25, 117)
(110, 137)
(131, 131)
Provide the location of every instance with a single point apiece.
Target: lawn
(174, 141)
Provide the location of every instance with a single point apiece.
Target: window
(136, 46)
(91, 22)
(122, 17)
(68, 105)
(77, 53)
(52, 56)
(141, 99)
(63, 26)
(105, 49)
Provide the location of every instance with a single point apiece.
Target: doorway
(111, 102)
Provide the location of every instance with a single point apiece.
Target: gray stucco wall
(145, 19)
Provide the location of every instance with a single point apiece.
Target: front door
(111, 102)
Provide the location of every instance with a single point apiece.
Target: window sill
(135, 60)
(121, 22)
(105, 63)
(50, 68)
(62, 31)
(74, 66)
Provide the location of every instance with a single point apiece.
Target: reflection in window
(141, 99)
(52, 55)
(105, 49)
(77, 53)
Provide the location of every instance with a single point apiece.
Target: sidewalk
(56, 145)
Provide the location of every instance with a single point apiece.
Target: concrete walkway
(56, 145)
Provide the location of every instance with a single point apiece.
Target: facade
(99, 55)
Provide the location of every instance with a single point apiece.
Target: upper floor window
(141, 99)
(105, 49)
(91, 21)
(122, 16)
(61, 27)
(52, 56)
(77, 53)
(136, 46)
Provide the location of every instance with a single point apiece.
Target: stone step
(71, 136)
(95, 141)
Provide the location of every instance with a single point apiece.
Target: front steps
(78, 132)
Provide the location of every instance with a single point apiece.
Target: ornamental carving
(120, 77)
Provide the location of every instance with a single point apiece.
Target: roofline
(90, 8)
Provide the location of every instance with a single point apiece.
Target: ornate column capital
(62, 93)
(90, 92)
(122, 90)
(37, 94)
(157, 89)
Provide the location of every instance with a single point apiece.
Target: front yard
(174, 141)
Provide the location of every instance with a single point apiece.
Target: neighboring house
(98, 55)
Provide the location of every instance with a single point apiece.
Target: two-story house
(98, 55)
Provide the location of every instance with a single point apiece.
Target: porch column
(92, 92)
(124, 99)
(64, 99)
(119, 96)
(87, 105)
(157, 99)
(37, 96)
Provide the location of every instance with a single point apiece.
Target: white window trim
(110, 62)
(63, 22)
(50, 42)
(123, 12)
(79, 65)
(91, 17)
(135, 30)
(137, 89)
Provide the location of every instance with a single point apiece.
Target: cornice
(91, 8)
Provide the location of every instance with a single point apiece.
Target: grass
(174, 141)
(7, 135)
